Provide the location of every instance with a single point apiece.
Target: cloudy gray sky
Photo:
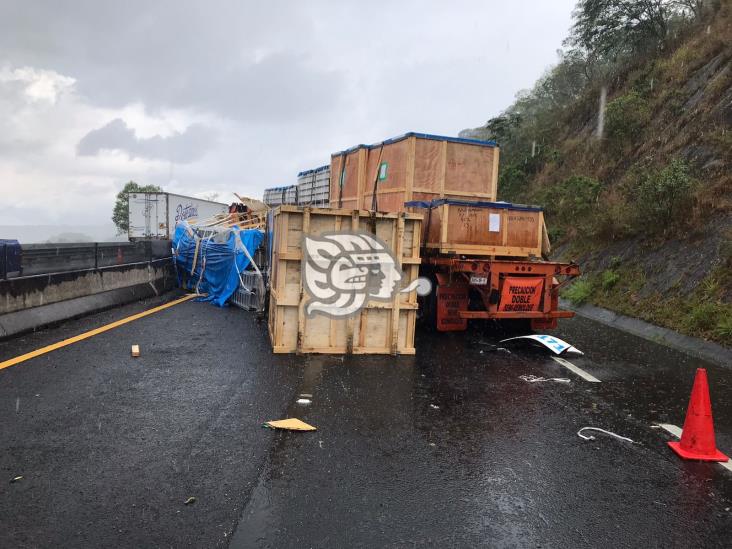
(222, 96)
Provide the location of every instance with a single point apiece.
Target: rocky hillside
(631, 156)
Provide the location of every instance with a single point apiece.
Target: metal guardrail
(56, 258)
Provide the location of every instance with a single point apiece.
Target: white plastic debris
(590, 437)
(434, 406)
(554, 344)
(303, 401)
(535, 379)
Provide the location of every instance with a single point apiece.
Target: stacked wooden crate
(379, 327)
(476, 228)
(414, 166)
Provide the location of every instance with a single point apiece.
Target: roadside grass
(704, 313)
(579, 292)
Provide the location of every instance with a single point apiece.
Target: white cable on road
(579, 434)
(534, 379)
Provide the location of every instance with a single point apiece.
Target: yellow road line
(91, 333)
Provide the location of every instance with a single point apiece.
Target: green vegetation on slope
(640, 191)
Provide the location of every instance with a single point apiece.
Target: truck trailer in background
(153, 216)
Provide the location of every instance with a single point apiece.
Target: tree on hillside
(121, 210)
(607, 30)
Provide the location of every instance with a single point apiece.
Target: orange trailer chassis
(508, 290)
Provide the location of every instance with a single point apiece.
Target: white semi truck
(153, 216)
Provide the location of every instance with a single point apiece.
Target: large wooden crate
(483, 228)
(380, 327)
(413, 167)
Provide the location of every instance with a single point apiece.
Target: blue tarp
(217, 261)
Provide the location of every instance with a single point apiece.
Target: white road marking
(673, 429)
(676, 431)
(579, 371)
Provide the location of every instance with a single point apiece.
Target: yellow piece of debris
(135, 350)
(292, 424)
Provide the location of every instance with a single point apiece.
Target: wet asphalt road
(448, 448)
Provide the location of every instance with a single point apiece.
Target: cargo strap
(374, 199)
(579, 434)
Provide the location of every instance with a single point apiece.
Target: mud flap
(451, 298)
(543, 324)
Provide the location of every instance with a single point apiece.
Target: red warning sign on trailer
(521, 294)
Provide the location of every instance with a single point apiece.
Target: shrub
(579, 292)
(556, 233)
(512, 182)
(702, 317)
(572, 199)
(625, 118)
(609, 279)
(723, 329)
(663, 198)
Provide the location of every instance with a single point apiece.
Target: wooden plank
(444, 209)
(443, 168)
(494, 174)
(397, 297)
(477, 250)
(350, 323)
(362, 175)
(409, 182)
(333, 332)
(301, 306)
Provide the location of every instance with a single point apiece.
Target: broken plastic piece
(535, 379)
(291, 424)
(554, 344)
(189, 501)
(16, 479)
(590, 437)
(303, 401)
(135, 350)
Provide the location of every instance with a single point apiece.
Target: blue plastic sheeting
(217, 262)
(477, 204)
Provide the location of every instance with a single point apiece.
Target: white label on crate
(478, 280)
(494, 222)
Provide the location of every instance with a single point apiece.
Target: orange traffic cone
(697, 438)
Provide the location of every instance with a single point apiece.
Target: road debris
(493, 348)
(16, 479)
(290, 424)
(135, 350)
(554, 344)
(590, 437)
(434, 406)
(190, 501)
(303, 401)
(535, 379)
